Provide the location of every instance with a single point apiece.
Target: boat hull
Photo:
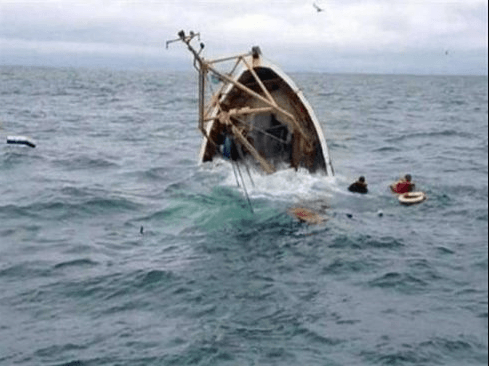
(290, 136)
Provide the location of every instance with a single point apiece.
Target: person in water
(228, 148)
(403, 185)
(360, 186)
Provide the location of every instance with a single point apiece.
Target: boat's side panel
(310, 111)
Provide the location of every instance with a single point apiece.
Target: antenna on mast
(187, 39)
(184, 38)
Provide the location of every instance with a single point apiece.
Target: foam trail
(287, 185)
(284, 185)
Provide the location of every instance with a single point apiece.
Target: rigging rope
(244, 188)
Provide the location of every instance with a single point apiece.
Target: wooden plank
(242, 111)
(267, 167)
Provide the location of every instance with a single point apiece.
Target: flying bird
(318, 8)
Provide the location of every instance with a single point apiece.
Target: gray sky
(364, 36)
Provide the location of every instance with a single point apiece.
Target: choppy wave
(117, 249)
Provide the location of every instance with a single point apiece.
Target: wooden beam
(248, 110)
(258, 80)
(210, 62)
(202, 75)
(241, 112)
(264, 100)
(267, 167)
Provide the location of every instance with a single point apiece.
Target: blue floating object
(20, 140)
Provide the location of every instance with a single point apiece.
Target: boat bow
(257, 115)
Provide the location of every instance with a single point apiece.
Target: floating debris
(307, 216)
(21, 140)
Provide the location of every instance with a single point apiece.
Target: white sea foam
(285, 184)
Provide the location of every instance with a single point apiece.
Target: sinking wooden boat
(257, 115)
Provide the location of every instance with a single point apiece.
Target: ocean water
(207, 282)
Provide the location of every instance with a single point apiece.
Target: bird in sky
(318, 8)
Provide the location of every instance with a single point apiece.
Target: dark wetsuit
(358, 187)
(230, 150)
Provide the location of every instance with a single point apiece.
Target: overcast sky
(361, 36)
